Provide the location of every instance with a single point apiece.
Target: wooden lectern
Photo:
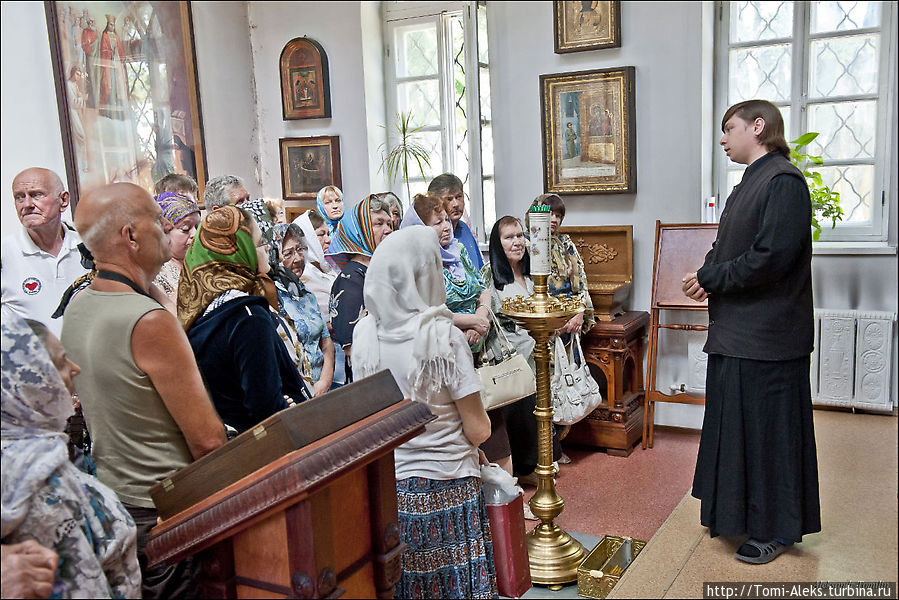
(680, 249)
(319, 521)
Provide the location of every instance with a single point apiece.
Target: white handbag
(575, 393)
(508, 380)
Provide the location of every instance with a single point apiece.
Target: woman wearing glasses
(298, 304)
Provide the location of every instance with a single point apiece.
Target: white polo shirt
(33, 281)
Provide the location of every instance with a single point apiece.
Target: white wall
(28, 115)
(337, 26)
(227, 91)
(668, 118)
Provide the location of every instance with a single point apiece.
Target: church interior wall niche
(305, 88)
(586, 25)
(308, 164)
(126, 87)
(589, 132)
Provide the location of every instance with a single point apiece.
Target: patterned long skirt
(450, 552)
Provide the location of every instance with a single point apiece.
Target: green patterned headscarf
(223, 257)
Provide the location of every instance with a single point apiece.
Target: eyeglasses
(263, 244)
(292, 252)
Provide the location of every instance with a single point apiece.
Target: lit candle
(538, 227)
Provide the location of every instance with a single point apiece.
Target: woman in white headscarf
(410, 331)
(319, 276)
(45, 497)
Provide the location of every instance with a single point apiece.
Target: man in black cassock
(757, 469)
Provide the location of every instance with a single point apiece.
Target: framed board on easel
(680, 248)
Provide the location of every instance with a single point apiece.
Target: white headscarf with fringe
(406, 302)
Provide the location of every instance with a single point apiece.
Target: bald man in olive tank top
(140, 389)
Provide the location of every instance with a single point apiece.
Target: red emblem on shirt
(31, 286)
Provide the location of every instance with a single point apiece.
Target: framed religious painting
(126, 87)
(308, 164)
(305, 89)
(586, 25)
(589, 135)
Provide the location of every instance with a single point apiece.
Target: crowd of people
(190, 324)
(181, 326)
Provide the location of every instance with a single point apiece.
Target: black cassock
(757, 468)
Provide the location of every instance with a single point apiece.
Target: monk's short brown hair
(772, 136)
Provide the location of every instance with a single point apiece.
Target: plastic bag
(499, 487)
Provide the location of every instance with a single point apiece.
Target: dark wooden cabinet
(614, 351)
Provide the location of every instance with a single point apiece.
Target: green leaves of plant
(406, 151)
(825, 202)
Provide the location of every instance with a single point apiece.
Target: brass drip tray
(605, 565)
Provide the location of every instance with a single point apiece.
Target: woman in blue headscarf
(354, 241)
(329, 203)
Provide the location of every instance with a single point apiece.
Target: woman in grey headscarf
(45, 497)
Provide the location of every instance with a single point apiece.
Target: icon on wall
(586, 25)
(305, 89)
(308, 164)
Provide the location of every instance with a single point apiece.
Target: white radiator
(852, 359)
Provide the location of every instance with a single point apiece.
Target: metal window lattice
(838, 46)
(753, 21)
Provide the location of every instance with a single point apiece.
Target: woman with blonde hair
(329, 204)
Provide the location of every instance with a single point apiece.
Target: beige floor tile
(857, 464)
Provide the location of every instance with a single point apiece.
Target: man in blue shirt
(448, 188)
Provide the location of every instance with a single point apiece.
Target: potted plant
(406, 151)
(825, 202)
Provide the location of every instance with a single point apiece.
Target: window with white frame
(827, 66)
(437, 71)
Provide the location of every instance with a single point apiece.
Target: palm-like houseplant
(406, 152)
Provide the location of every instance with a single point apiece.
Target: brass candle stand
(554, 554)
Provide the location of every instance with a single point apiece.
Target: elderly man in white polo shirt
(40, 260)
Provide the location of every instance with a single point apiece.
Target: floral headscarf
(175, 206)
(353, 235)
(222, 257)
(35, 407)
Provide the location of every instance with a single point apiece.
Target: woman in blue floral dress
(301, 307)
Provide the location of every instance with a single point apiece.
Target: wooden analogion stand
(679, 249)
(317, 521)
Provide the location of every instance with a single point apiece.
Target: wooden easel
(680, 248)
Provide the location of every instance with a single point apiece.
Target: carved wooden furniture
(615, 344)
(320, 521)
(615, 348)
(679, 249)
(608, 255)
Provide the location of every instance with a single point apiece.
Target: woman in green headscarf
(224, 300)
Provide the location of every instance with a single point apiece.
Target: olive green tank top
(135, 441)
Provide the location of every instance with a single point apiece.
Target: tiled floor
(858, 487)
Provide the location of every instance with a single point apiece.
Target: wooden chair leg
(645, 437)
